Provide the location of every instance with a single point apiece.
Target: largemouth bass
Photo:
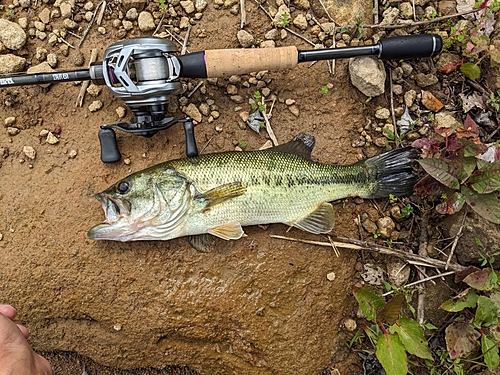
(219, 193)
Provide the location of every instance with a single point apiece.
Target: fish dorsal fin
(302, 145)
(204, 243)
(231, 231)
(321, 220)
(223, 192)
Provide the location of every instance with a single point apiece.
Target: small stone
(44, 133)
(117, 327)
(1, 236)
(52, 60)
(350, 324)
(330, 276)
(12, 131)
(245, 38)
(101, 30)
(146, 21)
(424, 80)
(385, 226)
(95, 106)
(29, 152)
(72, 154)
(132, 14)
(200, 5)
(289, 102)
(294, 110)
(188, 6)
(51, 139)
(121, 112)
(380, 141)
(300, 21)
(94, 90)
(127, 161)
(382, 113)
(192, 111)
(369, 226)
(231, 90)
(431, 102)
(9, 121)
(390, 130)
(410, 97)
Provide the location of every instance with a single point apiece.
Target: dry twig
(102, 3)
(85, 84)
(243, 12)
(455, 241)
(184, 44)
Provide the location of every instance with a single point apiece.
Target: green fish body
(219, 193)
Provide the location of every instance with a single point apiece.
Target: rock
(138, 4)
(431, 102)
(341, 11)
(398, 271)
(70, 24)
(72, 154)
(11, 64)
(282, 15)
(267, 44)
(294, 110)
(406, 10)
(389, 16)
(66, 10)
(41, 54)
(146, 21)
(29, 152)
(12, 131)
(184, 23)
(204, 109)
(121, 112)
(447, 7)
(445, 120)
(245, 38)
(302, 4)
(447, 62)
(52, 60)
(385, 226)
(192, 111)
(9, 121)
(367, 75)
(272, 34)
(410, 97)
(188, 6)
(200, 5)
(95, 106)
(424, 80)
(127, 25)
(300, 21)
(132, 14)
(468, 249)
(51, 139)
(382, 113)
(369, 226)
(94, 90)
(12, 35)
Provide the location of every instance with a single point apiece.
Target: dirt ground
(47, 204)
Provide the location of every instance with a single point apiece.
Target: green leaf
(390, 313)
(443, 171)
(487, 180)
(461, 339)
(486, 205)
(495, 332)
(486, 312)
(370, 300)
(495, 298)
(452, 204)
(391, 354)
(480, 280)
(412, 337)
(470, 70)
(465, 299)
(489, 348)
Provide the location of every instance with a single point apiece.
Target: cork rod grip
(227, 62)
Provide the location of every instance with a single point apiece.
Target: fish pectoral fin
(321, 220)
(223, 192)
(204, 243)
(231, 231)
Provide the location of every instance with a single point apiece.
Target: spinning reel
(144, 73)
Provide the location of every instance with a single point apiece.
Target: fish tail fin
(393, 172)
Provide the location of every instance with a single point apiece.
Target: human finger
(8, 311)
(24, 330)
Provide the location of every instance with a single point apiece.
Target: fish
(217, 194)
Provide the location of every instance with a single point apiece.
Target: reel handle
(109, 148)
(191, 149)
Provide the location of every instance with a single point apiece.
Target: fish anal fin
(302, 145)
(223, 192)
(321, 220)
(230, 231)
(204, 243)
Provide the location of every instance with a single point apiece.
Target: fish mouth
(116, 224)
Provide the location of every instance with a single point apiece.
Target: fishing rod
(144, 72)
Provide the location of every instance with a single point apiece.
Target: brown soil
(47, 204)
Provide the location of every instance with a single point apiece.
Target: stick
(101, 13)
(243, 14)
(269, 129)
(195, 88)
(90, 23)
(159, 24)
(85, 84)
(184, 44)
(455, 241)
(423, 281)
(422, 251)
(362, 245)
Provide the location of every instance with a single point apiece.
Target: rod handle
(227, 62)
(410, 47)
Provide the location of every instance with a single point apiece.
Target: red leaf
(452, 66)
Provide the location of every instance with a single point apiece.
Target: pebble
(72, 154)
(200, 5)
(300, 21)
(188, 6)
(245, 38)
(1, 236)
(29, 152)
(146, 21)
(127, 161)
(232, 89)
(350, 324)
(44, 15)
(52, 59)
(330, 276)
(95, 106)
(132, 14)
(94, 90)
(431, 102)
(51, 139)
(12, 131)
(424, 80)
(410, 97)
(382, 113)
(192, 111)
(9, 121)
(386, 226)
(294, 110)
(204, 109)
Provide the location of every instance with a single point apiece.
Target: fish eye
(123, 187)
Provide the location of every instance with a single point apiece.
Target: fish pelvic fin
(230, 231)
(392, 172)
(302, 144)
(321, 220)
(222, 193)
(204, 243)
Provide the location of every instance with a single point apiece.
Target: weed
(162, 4)
(9, 12)
(285, 19)
(494, 101)
(324, 89)
(406, 211)
(392, 199)
(242, 144)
